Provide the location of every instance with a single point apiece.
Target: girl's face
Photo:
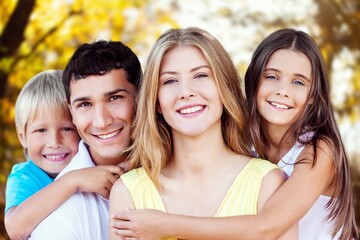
(188, 96)
(284, 87)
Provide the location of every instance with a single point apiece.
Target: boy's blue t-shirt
(24, 180)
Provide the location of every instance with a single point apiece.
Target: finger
(122, 216)
(125, 165)
(113, 178)
(116, 170)
(122, 232)
(105, 193)
(108, 186)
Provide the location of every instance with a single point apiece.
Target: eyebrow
(296, 74)
(107, 94)
(191, 70)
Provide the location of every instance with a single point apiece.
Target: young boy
(50, 140)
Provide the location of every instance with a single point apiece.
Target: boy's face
(51, 141)
(103, 109)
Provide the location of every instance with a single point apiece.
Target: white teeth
(191, 110)
(279, 105)
(54, 157)
(107, 136)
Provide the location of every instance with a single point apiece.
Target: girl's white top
(313, 225)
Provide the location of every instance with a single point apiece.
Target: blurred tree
(40, 35)
(339, 24)
(11, 38)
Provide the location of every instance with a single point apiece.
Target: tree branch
(44, 37)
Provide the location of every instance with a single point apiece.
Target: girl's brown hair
(317, 118)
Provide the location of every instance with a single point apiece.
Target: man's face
(103, 108)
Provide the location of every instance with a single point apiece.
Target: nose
(186, 91)
(102, 117)
(282, 89)
(55, 140)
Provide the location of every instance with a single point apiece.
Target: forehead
(46, 114)
(182, 57)
(291, 61)
(99, 85)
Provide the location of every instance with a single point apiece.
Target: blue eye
(170, 81)
(271, 77)
(201, 75)
(298, 82)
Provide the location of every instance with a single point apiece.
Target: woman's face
(188, 96)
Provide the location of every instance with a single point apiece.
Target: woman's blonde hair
(152, 141)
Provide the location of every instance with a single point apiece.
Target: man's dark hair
(98, 58)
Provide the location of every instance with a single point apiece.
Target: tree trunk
(12, 37)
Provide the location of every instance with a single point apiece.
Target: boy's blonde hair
(43, 92)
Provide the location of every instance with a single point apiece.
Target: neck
(198, 155)
(279, 142)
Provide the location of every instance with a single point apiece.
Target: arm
(120, 199)
(22, 219)
(280, 213)
(271, 182)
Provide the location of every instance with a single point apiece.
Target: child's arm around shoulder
(21, 220)
(299, 192)
(270, 183)
(279, 213)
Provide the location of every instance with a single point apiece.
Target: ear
(22, 138)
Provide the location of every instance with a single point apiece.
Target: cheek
(124, 111)
(80, 120)
(163, 101)
(72, 138)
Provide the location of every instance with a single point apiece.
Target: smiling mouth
(109, 135)
(55, 157)
(278, 105)
(191, 110)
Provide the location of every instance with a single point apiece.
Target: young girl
(50, 140)
(292, 124)
(190, 136)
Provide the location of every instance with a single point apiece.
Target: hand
(97, 179)
(145, 224)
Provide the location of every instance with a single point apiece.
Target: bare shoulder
(274, 177)
(324, 155)
(270, 183)
(119, 187)
(120, 197)
(321, 171)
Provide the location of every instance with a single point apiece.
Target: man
(101, 81)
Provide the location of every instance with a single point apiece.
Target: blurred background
(40, 35)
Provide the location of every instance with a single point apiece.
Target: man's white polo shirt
(84, 216)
